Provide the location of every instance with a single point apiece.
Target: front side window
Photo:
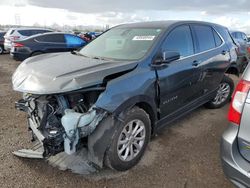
(180, 40)
(205, 37)
(122, 43)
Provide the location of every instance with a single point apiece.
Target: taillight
(16, 45)
(239, 98)
(248, 49)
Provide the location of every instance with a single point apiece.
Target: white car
(20, 33)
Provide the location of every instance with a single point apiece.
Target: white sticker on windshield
(148, 37)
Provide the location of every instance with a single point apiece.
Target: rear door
(212, 54)
(179, 81)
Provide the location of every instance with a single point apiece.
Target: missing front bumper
(77, 163)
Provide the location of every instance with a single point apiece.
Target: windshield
(122, 43)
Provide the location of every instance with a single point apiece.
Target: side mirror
(167, 57)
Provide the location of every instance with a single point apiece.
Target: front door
(180, 81)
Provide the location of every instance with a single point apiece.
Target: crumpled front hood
(63, 72)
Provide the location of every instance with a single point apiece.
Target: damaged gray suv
(117, 91)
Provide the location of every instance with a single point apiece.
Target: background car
(19, 34)
(243, 49)
(2, 33)
(235, 144)
(45, 43)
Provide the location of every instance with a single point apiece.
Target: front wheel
(130, 140)
(223, 94)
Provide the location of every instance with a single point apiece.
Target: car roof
(164, 24)
(31, 28)
(235, 31)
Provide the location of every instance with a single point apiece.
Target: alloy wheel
(222, 93)
(131, 140)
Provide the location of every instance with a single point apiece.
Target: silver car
(235, 143)
(19, 34)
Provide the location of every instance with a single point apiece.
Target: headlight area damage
(62, 125)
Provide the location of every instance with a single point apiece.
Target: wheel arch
(233, 69)
(99, 141)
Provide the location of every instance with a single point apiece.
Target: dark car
(235, 143)
(45, 43)
(243, 49)
(117, 91)
(2, 41)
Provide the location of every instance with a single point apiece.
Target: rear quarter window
(217, 39)
(205, 37)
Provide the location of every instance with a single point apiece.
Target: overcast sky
(234, 14)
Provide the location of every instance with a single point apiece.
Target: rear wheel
(130, 140)
(223, 95)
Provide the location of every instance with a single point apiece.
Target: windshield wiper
(78, 53)
(100, 58)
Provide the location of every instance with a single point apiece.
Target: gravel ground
(185, 154)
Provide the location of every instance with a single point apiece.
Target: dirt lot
(186, 154)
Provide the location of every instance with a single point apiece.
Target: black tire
(112, 158)
(1, 49)
(36, 53)
(212, 105)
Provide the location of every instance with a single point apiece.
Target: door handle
(195, 63)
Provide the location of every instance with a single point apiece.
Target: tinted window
(180, 39)
(25, 32)
(233, 35)
(205, 37)
(30, 32)
(238, 35)
(217, 39)
(72, 40)
(244, 36)
(57, 38)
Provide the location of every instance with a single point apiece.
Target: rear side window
(180, 39)
(217, 39)
(56, 38)
(30, 32)
(72, 40)
(238, 35)
(205, 37)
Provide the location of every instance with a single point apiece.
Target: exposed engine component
(61, 119)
